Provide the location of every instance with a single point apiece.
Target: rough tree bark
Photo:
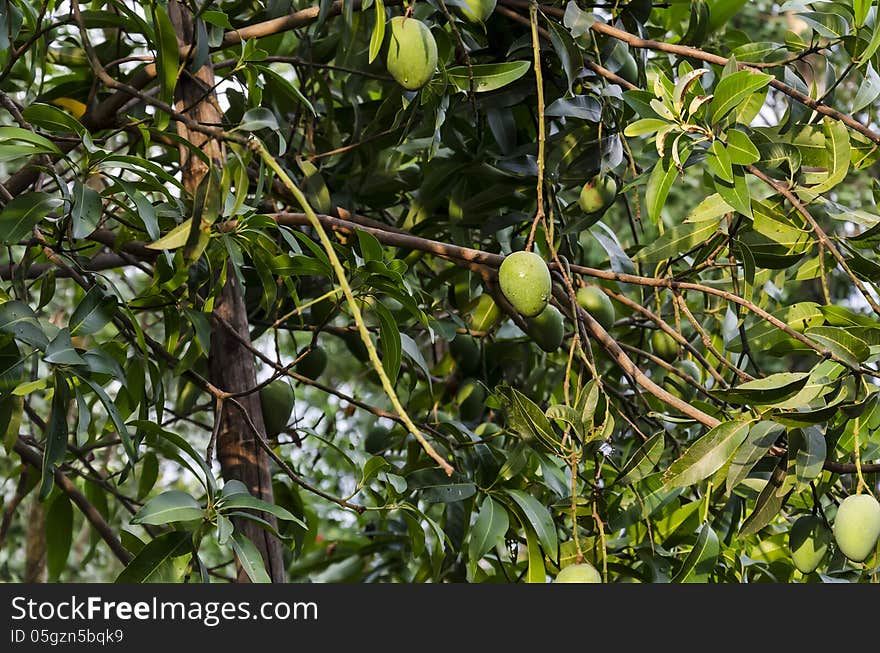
(231, 364)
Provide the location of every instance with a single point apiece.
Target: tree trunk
(231, 364)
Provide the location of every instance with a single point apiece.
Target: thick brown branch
(287, 23)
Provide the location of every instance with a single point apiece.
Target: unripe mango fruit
(547, 329)
(412, 53)
(857, 526)
(312, 364)
(583, 572)
(629, 70)
(597, 304)
(525, 281)
(808, 541)
(664, 346)
(276, 401)
(598, 194)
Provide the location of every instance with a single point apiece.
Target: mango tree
(449, 291)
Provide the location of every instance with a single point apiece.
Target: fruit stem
(601, 525)
(861, 485)
(706, 503)
(539, 80)
(257, 146)
(573, 462)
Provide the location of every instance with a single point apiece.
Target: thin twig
(339, 270)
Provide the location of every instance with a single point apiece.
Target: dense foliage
(199, 193)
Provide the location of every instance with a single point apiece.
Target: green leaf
(700, 562)
(860, 11)
(652, 496)
(487, 77)
(175, 238)
(809, 443)
(567, 50)
(672, 527)
(206, 209)
(644, 126)
(171, 506)
(61, 350)
(448, 492)
(707, 455)
(149, 475)
(371, 249)
(761, 437)
(115, 417)
(488, 530)
(56, 435)
(168, 52)
(841, 342)
(249, 501)
(378, 31)
(538, 517)
(11, 409)
(86, 211)
(778, 228)
(763, 335)
(645, 459)
(711, 208)
(736, 194)
(233, 487)
(839, 155)
(284, 87)
(249, 558)
(38, 144)
(52, 119)
(719, 162)
(768, 504)
(659, 183)
(767, 391)
(95, 310)
(536, 572)
(59, 535)
(721, 11)
(258, 118)
(529, 421)
(23, 212)
(224, 529)
(741, 149)
(315, 188)
(640, 102)
(677, 240)
(389, 337)
(166, 438)
(372, 467)
(872, 46)
(588, 401)
(151, 562)
(868, 91)
(411, 349)
(731, 91)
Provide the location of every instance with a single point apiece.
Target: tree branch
(35, 460)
